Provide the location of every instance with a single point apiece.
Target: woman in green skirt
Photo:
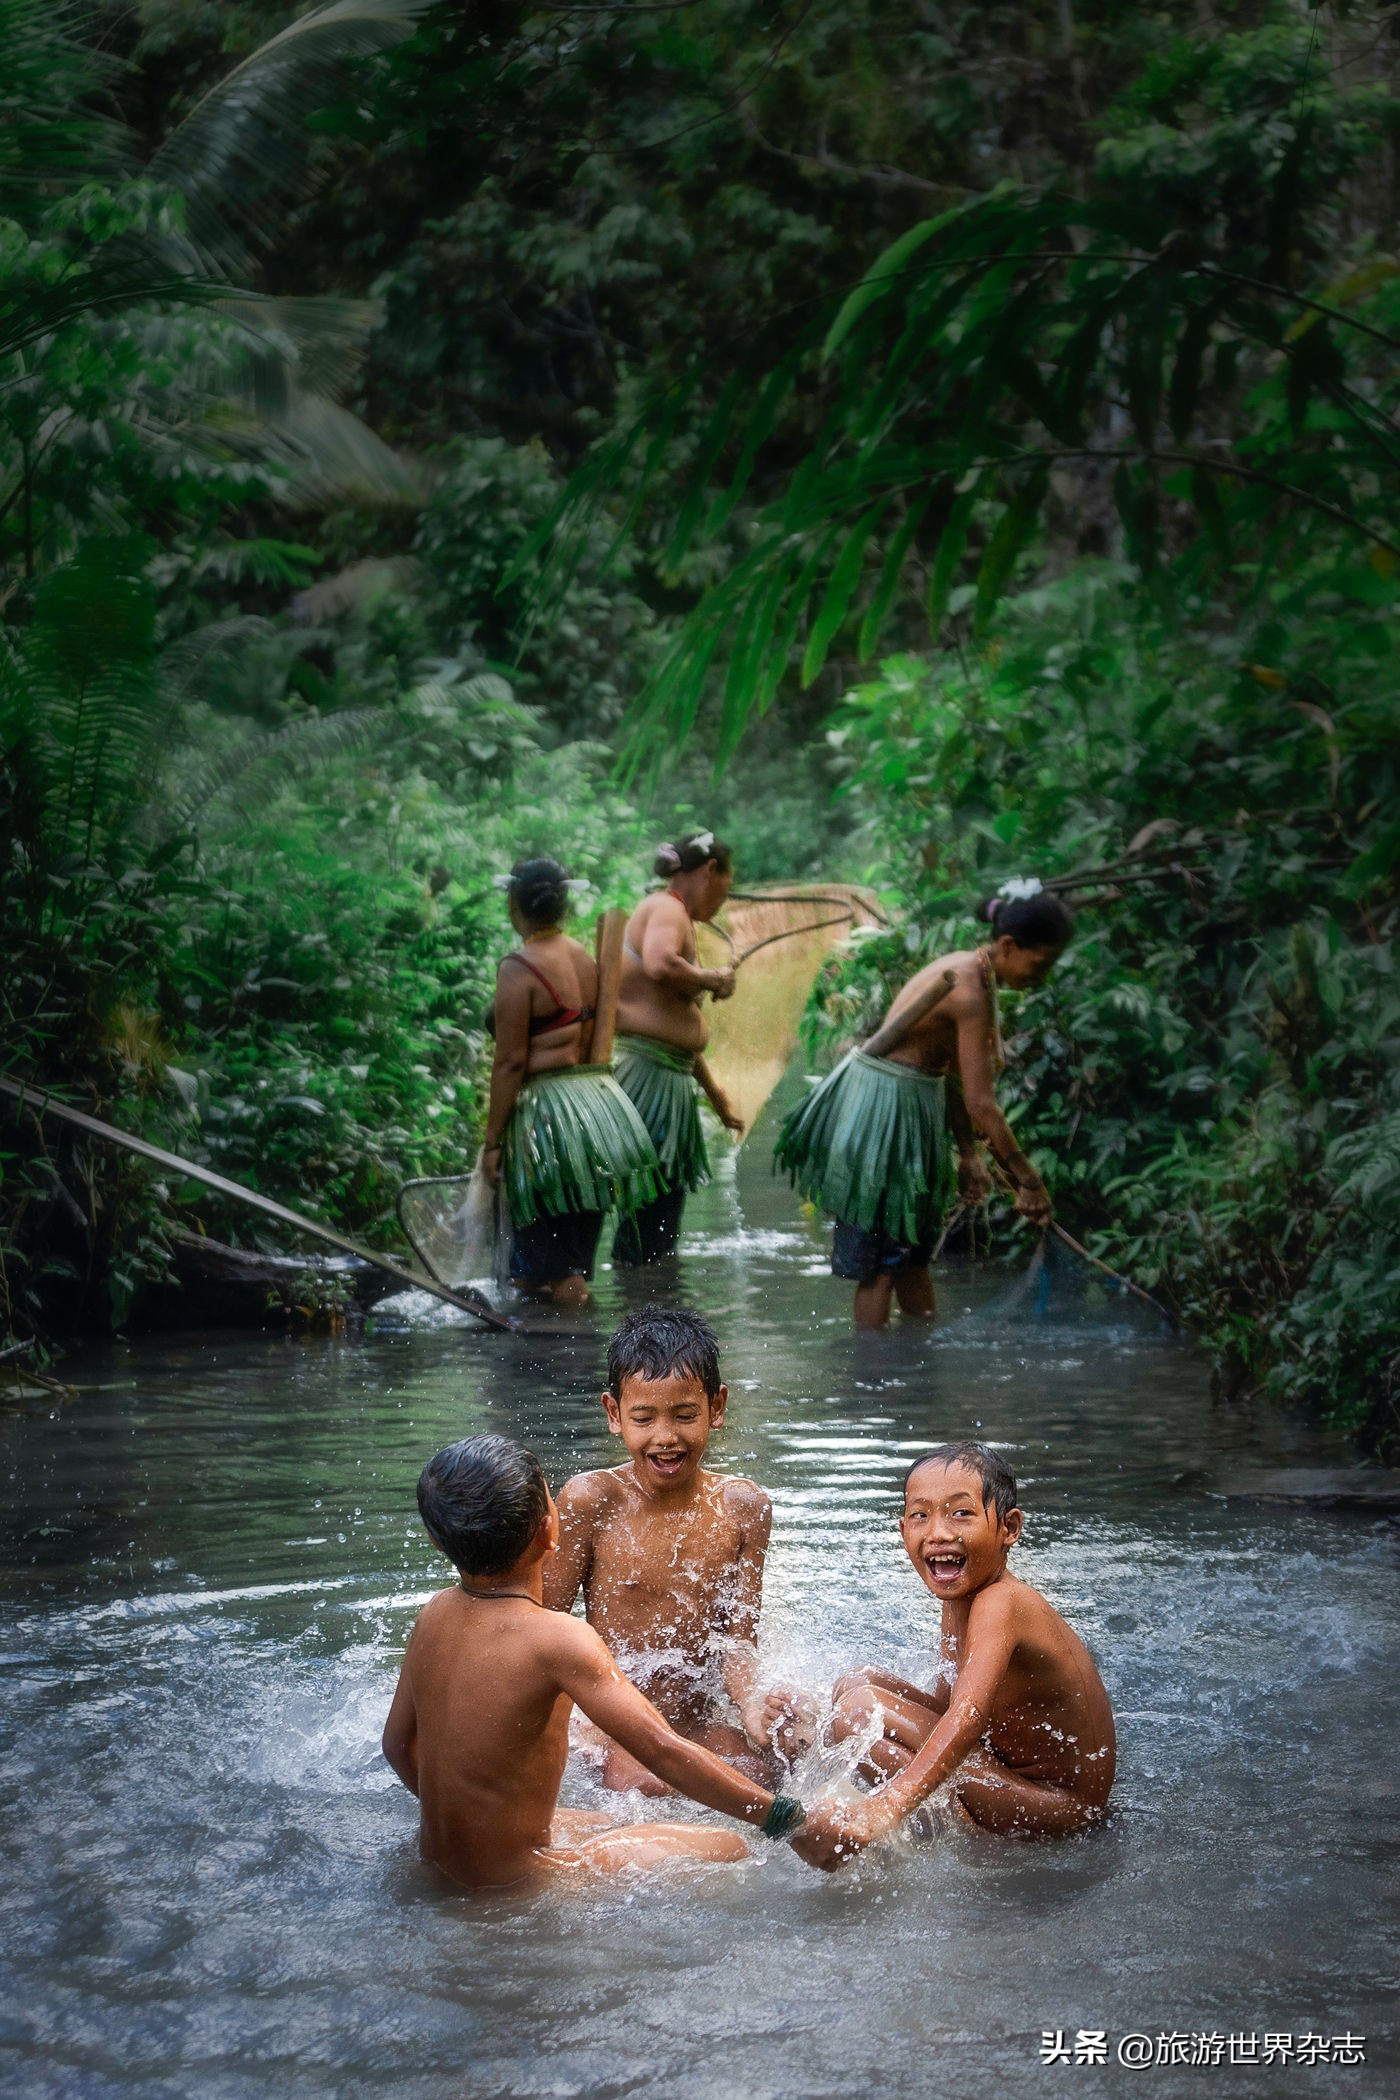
(873, 1145)
(563, 1142)
(661, 1034)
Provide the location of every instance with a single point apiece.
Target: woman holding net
(873, 1144)
(662, 1033)
(563, 1142)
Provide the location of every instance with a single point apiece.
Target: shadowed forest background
(927, 444)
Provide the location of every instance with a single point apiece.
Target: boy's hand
(1033, 1202)
(782, 1718)
(974, 1182)
(834, 1832)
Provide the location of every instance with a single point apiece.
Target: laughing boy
(670, 1557)
(1020, 1722)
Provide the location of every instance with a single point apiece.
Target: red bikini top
(541, 1024)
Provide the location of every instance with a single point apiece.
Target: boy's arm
(567, 1571)
(587, 1674)
(835, 1830)
(769, 1714)
(400, 1739)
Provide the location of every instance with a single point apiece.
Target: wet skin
(479, 1731)
(670, 1561)
(1020, 1715)
(957, 1039)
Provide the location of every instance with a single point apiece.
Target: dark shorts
(651, 1232)
(860, 1254)
(557, 1245)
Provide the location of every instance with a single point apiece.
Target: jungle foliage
(405, 410)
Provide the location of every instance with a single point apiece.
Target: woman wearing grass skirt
(874, 1144)
(563, 1142)
(661, 1034)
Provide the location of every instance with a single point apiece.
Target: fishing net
(455, 1225)
(780, 942)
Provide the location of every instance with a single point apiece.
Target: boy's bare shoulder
(1013, 1604)
(743, 1498)
(589, 1494)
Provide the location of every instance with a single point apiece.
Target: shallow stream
(212, 1559)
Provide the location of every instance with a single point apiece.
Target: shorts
(860, 1253)
(556, 1245)
(651, 1232)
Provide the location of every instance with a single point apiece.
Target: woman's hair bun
(1030, 914)
(540, 888)
(685, 855)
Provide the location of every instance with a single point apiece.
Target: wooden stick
(1126, 1281)
(465, 1301)
(612, 926)
(1074, 1246)
(890, 1034)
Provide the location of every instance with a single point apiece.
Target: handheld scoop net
(779, 939)
(454, 1225)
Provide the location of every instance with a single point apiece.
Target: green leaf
(839, 592)
(946, 562)
(1008, 541)
(881, 275)
(939, 500)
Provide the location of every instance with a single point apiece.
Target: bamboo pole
(612, 927)
(44, 1104)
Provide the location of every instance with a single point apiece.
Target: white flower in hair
(1020, 887)
(704, 840)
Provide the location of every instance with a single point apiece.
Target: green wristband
(783, 1817)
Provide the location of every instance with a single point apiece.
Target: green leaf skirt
(870, 1146)
(658, 1079)
(574, 1142)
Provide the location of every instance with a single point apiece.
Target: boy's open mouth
(666, 1463)
(945, 1567)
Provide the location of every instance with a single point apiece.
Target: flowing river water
(211, 1561)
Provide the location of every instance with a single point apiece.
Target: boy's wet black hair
(1042, 921)
(998, 1480)
(482, 1501)
(659, 1342)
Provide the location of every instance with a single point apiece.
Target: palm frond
(241, 148)
(1014, 335)
(53, 128)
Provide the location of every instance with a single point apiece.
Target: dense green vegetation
(975, 430)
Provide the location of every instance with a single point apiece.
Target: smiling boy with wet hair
(479, 1725)
(670, 1557)
(1019, 1720)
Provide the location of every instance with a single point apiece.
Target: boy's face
(665, 1424)
(957, 1542)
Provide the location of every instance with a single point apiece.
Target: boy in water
(1020, 1721)
(479, 1726)
(670, 1557)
